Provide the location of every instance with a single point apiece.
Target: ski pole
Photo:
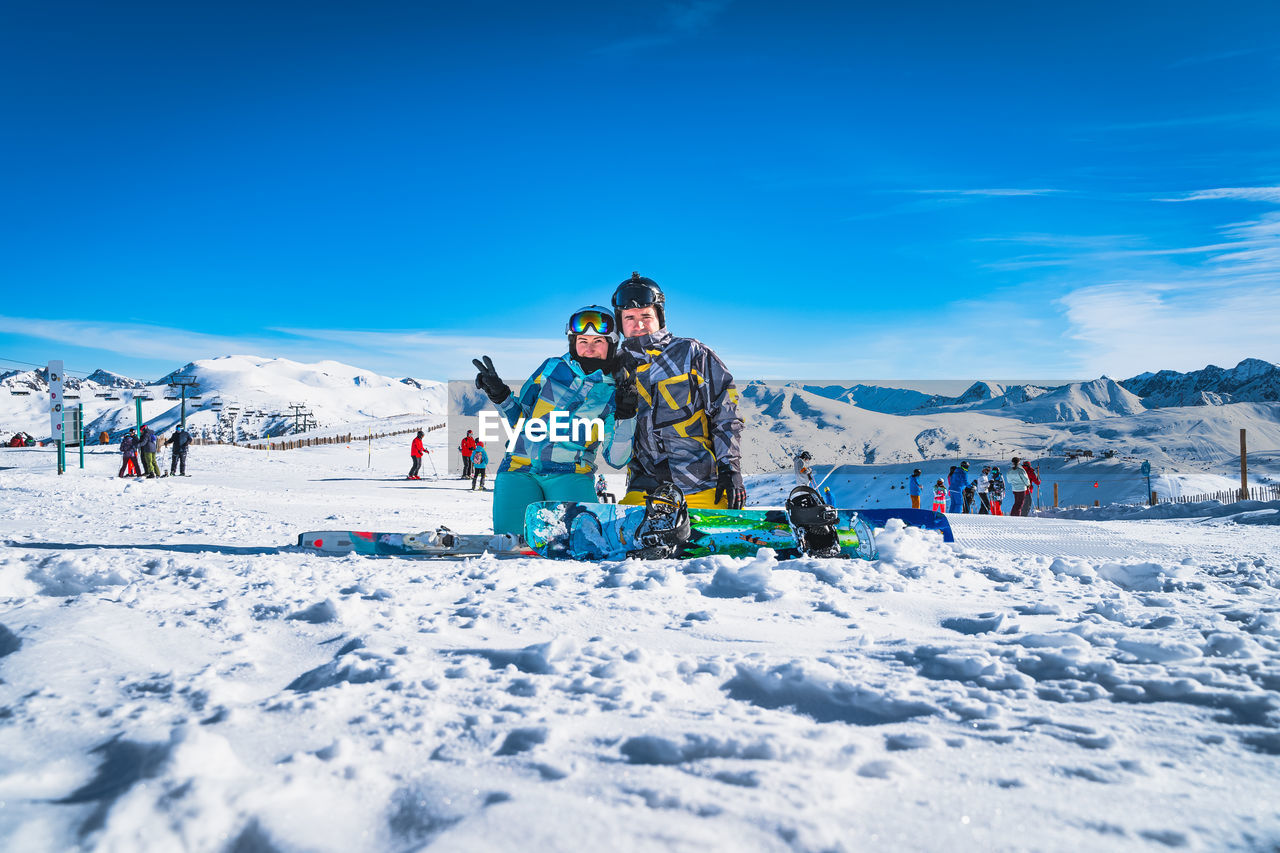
(434, 472)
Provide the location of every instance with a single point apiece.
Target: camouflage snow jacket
(687, 420)
(561, 386)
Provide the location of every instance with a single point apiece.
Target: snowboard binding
(813, 522)
(666, 526)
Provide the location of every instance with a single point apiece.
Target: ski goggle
(635, 294)
(593, 321)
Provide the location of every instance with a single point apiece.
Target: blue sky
(933, 190)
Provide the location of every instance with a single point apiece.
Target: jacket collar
(660, 338)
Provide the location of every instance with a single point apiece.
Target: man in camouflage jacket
(687, 425)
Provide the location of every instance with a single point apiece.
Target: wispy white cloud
(1220, 310)
(693, 16)
(448, 354)
(1221, 56)
(1126, 327)
(425, 355)
(680, 20)
(994, 192)
(135, 340)
(1000, 336)
(1260, 194)
(1255, 117)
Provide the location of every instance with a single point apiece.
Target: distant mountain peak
(1253, 380)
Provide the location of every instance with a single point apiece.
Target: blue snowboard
(926, 518)
(590, 531)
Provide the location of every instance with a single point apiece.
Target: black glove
(729, 482)
(488, 381)
(625, 397)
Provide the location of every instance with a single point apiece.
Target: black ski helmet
(640, 292)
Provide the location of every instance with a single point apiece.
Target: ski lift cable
(42, 366)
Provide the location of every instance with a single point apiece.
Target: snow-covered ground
(174, 675)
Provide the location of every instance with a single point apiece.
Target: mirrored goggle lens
(591, 323)
(633, 296)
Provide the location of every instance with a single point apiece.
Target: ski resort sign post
(56, 413)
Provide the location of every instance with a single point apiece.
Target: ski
(441, 542)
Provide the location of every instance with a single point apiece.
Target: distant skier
(415, 453)
(957, 481)
(147, 446)
(179, 441)
(804, 469)
(603, 495)
(468, 444)
(1033, 480)
(913, 488)
(129, 454)
(160, 443)
(581, 384)
(995, 491)
(479, 462)
(1019, 483)
(687, 428)
(940, 496)
(983, 485)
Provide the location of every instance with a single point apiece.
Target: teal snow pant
(513, 491)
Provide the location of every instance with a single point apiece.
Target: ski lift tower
(297, 413)
(182, 382)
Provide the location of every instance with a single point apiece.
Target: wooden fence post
(1244, 469)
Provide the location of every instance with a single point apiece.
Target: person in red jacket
(1031, 490)
(468, 445)
(415, 452)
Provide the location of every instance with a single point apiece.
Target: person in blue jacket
(479, 461)
(913, 488)
(958, 480)
(581, 383)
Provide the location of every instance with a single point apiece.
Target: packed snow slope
(174, 675)
(241, 397)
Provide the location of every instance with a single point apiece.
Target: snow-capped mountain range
(1251, 381)
(235, 397)
(246, 397)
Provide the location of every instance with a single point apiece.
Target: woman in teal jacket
(577, 387)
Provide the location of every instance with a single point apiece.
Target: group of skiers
(668, 405)
(475, 459)
(959, 494)
(146, 443)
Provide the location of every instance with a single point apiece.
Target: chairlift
(103, 394)
(112, 397)
(194, 399)
(20, 393)
(71, 396)
(172, 397)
